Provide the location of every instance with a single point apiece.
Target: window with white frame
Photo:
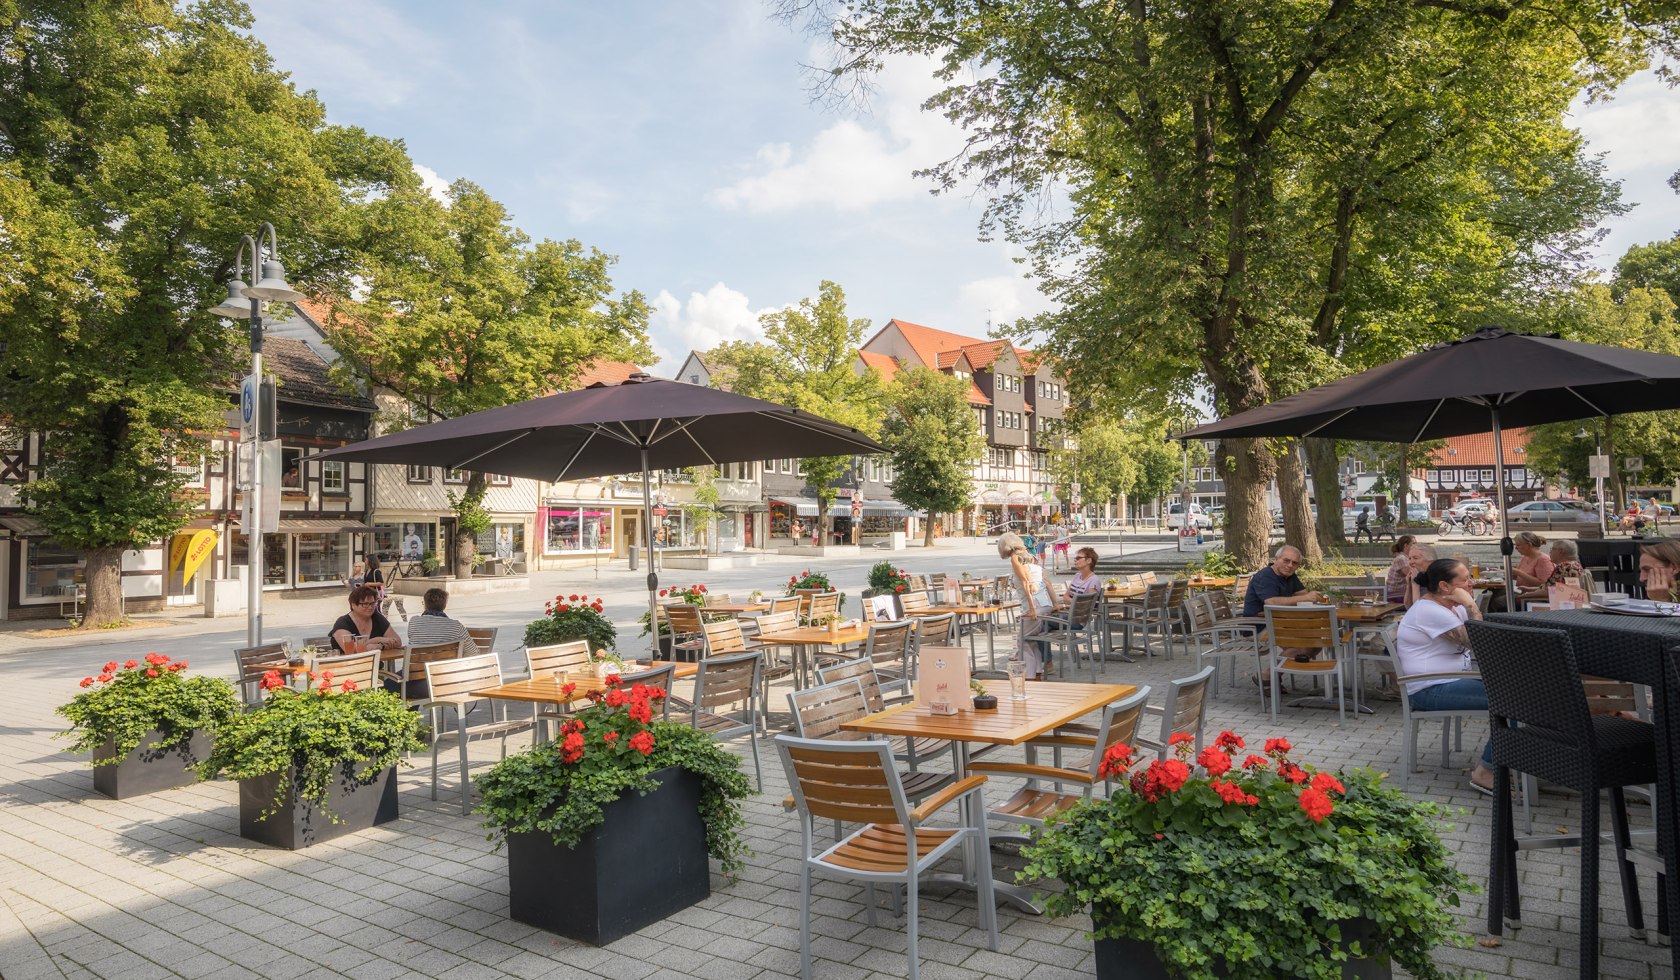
(501, 480)
(457, 477)
(419, 474)
(332, 476)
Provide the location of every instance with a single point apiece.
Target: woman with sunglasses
(364, 619)
(1085, 580)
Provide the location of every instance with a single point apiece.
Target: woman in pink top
(1400, 570)
(1535, 568)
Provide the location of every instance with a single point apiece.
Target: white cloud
(854, 164)
(707, 319)
(998, 300)
(434, 184)
(369, 52)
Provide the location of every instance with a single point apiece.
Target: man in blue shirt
(1277, 584)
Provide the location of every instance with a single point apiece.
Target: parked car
(1479, 505)
(1551, 512)
(1417, 514)
(1198, 517)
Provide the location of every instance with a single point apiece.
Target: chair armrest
(962, 787)
(1451, 675)
(1030, 771)
(1062, 740)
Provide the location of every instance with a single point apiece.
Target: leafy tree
(1259, 198)
(1653, 266)
(138, 142)
(705, 510)
(463, 313)
(807, 361)
(935, 441)
(1112, 458)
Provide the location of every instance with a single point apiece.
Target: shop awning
(872, 508)
(803, 506)
(23, 527)
(318, 526)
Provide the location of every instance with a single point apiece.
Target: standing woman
(1035, 598)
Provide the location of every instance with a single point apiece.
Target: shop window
(502, 541)
(501, 480)
(578, 530)
(407, 541)
(51, 571)
(274, 558)
(332, 476)
(322, 558)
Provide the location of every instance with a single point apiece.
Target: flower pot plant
(885, 578)
(573, 617)
(582, 810)
(809, 581)
(314, 764)
(982, 700)
(1205, 867)
(147, 724)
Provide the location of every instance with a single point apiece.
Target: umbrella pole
(647, 541)
(1505, 545)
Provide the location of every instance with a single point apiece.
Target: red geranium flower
(567, 689)
(156, 659)
(271, 680)
(1178, 738)
(1230, 741)
(573, 597)
(640, 710)
(110, 668)
(1116, 761)
(1277, 746)
(87, 682)
(613, 680)
(151, 672)
(1216, 763)
(1326, 783)
(616, 698)
(1232, 793)
(610, 737)
(571, 747)
(1252, 761)
(642, 742)
(131, 664)
(1316, 805)
(104, 678)
(1293, 773)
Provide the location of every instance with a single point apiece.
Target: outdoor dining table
(736, 608)
(549, 689)
(805, 637)
(988, 613)
(1642, 650)
(1211, 582)
(1119, 595)
(1048, 705)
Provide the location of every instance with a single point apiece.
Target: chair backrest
(1291, 628)
(918, 583)
(726, 681)
(555, 658)
(484, 637)
(936, 580)
(889, 645)
(776, 622)
(824, 604)
(861, 670)
(1147, 578)
(723, 637)
(318, 642)
(253, 662)
(660, 677)
(1219, 601)
(360, 668)
(1083, 607)
(1198, 612)
(804, 596)
(1177, 590)
(818, 712)
(1155, 595)
(782, 604)
(853, 782)
(913, 601)
(456, 678)
(1239, 589)
(1120, 723)
(935, 631)
(1185, 710)
(1532, 678)
(684, 617)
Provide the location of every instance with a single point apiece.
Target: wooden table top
(735, 608)
(1360, 613)
(978, 610)
(1127, 592)
(546, 690)
(1048, 704)
(814, 636)
(1211, 583)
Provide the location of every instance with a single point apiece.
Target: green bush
(573, 617)
(127, 700)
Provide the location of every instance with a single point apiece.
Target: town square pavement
(163, 886)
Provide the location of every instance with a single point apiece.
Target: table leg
(1003, 892)
(991, 640)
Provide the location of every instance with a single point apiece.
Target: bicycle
(1473, 524)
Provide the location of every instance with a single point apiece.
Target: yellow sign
(203, 543)
(178, 550)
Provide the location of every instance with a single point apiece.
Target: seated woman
(1535, 568)
(1659, 562)
(1419, 555)
(364, 619)
(1566, 565)
(1400, 570)
(1432, 639)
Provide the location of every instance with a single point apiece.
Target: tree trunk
(466, 546)
(1246, 467)
(1297, 518)
(1326, 485)
(104, 587)
(927, 533)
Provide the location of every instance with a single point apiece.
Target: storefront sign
(178, 550)
(199, 549)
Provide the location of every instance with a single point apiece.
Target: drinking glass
(1017, 680)
(360, 642)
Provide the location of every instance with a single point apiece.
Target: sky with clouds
(681, 136)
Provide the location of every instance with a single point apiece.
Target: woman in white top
(1035, 598)
(1432, 639)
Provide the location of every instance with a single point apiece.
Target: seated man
(1278, 585)
(432, 626)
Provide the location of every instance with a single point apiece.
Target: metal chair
(1452, 719)
(934, 631)
(857, 783)
(1184, 712)
(1541, 725)
(685, 621)
(409, 672)
(890, 647)
(451, 683)
(1120, 723)
(1296, 630)
(361, 669)
(726, 692)
(1074, 630)
(484, 637)
(251, 663)
(1214, 641)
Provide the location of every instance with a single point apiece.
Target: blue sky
(681, 137)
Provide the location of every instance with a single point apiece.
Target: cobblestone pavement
(163, 886)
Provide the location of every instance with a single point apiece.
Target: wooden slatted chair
(890, 647)
(913, 602)
(570, 657)
(1121, 721)
(409, 674)
(253, 662)
(934, 631)
(1152, 616)
(782, 604)
(855, 782)
(818, 712)
(823, 605)
(660, 677)
(726, 701)
(724, 638)
(1214, 641)
(1294, 632)
(1239, 591)
(685, 621)
(1075, 630)
(1184, 712)
(911, 751)
(320, 643)
(360, 668)
(484, 637)
(452, 683)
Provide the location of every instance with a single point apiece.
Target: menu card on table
(1566, 596)
(942, 684)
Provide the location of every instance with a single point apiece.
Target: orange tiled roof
(976, 396)
(880, 362)
(611, 372)
(1477, 450)
(315, 309)
(941, 348)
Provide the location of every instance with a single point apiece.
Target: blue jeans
(1466, 692)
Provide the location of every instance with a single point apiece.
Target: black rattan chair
(1537, 710)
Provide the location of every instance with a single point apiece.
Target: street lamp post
(1598, 477)
(246, 301)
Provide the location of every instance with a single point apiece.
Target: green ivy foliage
(320, 736)
(128, 700)
(575, 617)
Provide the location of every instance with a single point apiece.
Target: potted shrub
(578, 815)
(809, 581)
(147, 724)
(430, 563)
(573, 617)
(1205, 867)
(982, 700)
(888, 579)
(695, 594)
(314, 764)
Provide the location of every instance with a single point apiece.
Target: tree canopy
(138, 142)
(935, 440)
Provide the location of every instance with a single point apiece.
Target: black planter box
(358, 805)
(149, 770)
(646, 862)
(1134, 959)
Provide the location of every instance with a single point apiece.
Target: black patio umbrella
(640, 425)
(1492, 377)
